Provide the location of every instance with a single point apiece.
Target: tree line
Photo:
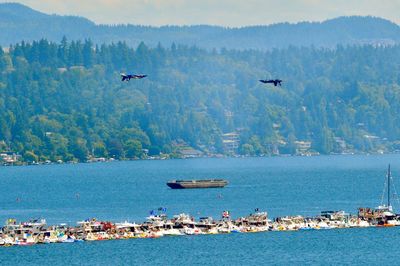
(65, 101)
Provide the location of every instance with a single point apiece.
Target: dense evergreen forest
(19, 22)
(66, 100)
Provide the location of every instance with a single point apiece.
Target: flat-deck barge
(203, 183)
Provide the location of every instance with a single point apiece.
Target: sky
(231, 13)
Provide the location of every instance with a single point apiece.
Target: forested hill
(18, 22)
(66, 100)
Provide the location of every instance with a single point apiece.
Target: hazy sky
(215, 12)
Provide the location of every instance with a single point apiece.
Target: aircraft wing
(139, 76)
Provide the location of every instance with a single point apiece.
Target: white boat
(169, 230)
(8, 240)
(192, 230)
(126, 225)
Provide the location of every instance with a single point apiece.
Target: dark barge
(203, 183)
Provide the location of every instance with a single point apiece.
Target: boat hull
(187, 184)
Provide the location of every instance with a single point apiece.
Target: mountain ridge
(328, 33)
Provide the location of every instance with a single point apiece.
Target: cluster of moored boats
(158, 225)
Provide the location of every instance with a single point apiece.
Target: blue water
(121, 191)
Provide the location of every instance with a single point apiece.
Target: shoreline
(216, 156)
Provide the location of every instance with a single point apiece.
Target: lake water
(120, 191)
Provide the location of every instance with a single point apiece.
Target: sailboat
(387, 209)
(383, 215)
(387, 217)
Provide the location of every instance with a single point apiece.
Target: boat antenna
(384, 191)
(388, 177)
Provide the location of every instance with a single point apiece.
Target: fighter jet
(128, 77)
(276, 82)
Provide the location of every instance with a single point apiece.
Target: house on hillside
(303, 147)
(9, 157)
(231, 142)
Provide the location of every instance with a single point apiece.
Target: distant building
(230, 142)
(228, 113)
(185, 150)
(179, 143)
(276, 126)
(96, 159)
(9, 157)
(341, 144)
(81, 68)
(371, 137)
(303, 147)
(190, 153)
(274, 149)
